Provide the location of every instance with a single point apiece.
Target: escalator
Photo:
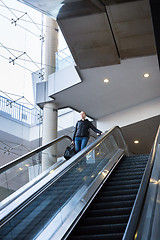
(93, 195)
(29, 222)
(108, 214)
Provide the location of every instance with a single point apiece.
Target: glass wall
(21, 62)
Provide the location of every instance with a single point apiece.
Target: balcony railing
(15, 111)
(63, 59)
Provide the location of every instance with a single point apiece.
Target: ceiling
(108, 39)
(127, 87)
(101, 33)
(144, 131)
(111, 39)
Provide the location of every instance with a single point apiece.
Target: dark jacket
(82, 129)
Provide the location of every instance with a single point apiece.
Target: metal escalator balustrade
(52, 210)
(149, 220)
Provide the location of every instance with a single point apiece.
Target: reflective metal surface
(148, 228)
(148, 199)
(155, 234)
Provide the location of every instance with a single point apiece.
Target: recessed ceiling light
(146, 75)
(26, 165)
(106, 80)
(136, 141)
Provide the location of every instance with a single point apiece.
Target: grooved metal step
(104, 220)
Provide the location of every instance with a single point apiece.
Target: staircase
(108, 214)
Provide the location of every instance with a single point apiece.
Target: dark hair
(84, 112)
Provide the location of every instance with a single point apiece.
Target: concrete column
(49, 156)
(51, 45)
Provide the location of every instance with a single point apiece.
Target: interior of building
(109, 190)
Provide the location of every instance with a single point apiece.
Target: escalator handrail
(32, 153)
(41, 148)
(60, 171)
(135, 214)
(68, 165)
(65, 167)
(91, 146)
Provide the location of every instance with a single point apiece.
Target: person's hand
(73, 142)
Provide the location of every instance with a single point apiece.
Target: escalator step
(117, 183)
(132, 164)
(106, 193)
(104, 220)
(122, 170)
(101, 229)
(120, 204)
(127, 186)
(117, 198)
(125, 178)
(127, 174)
(113, 236)
(109, 212)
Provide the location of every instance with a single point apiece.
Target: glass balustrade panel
(20, 176)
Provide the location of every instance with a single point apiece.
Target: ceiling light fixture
(26, 165)
(136, 141)
(146, 75)
(106, 80)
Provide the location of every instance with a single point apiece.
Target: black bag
(69, 152)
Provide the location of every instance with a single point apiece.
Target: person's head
(83, 115)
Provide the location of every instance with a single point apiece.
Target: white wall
(132, 115)
(66, 118)
(63, 79)
(65, 121)
(20, 130)
(35, 132)
(14, 128)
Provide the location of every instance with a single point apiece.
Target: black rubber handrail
(32, 153)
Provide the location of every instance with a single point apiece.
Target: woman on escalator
(81, 132)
